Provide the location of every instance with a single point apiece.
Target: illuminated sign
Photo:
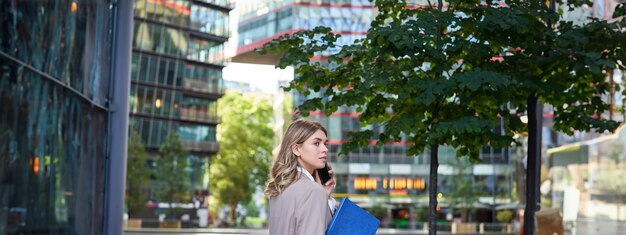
(390, 183)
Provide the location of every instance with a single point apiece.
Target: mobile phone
(323, 174)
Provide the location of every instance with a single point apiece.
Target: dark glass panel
(167, 103)
(144, 97)
(132, 101)
(192, 132)
(209, 20)
(163, 71)
(177, 100)
(142, 68)
(151, 69)
(69, 40)
(155, 127)
(134, 67)
(172, 73)
(52, 156)
(159, 101)
(145, 130)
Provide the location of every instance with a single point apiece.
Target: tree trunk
(169, 213)
(432, 190)
(233, 216)
(434, 155)
(609, 74)
(464, 214)
(533, 169)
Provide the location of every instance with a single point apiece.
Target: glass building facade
(176, 77)
(55, 82)
(373, 175)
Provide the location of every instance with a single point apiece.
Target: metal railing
(200, 146)
(198, 116)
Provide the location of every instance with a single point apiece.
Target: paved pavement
(592, 227)
(214, 231)
(582, 227)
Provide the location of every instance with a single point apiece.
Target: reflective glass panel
(69, 40)
(52, 156)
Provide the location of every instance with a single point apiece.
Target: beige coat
(302, 209)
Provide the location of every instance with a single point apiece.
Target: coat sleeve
(312, 214)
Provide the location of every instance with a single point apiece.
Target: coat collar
(306, 173)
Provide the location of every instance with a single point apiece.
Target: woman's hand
(330, 184)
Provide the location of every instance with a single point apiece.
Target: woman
(299, 203)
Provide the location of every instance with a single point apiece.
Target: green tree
(448, 74)
(245, 136)
(137, 175)
(464, 192)
(172, 174)
(378, 211)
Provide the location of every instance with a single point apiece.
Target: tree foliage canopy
(137, 175)
(449, 74)
(172, 172)
(245, 137)
(446, 76)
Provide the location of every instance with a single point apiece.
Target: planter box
(170, 224)
(133, 223)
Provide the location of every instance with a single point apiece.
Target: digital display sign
(388, 183)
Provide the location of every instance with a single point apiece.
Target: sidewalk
(195, 231)
(263, 231)
(583, 226)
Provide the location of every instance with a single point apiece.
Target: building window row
(396, 154)
(378, 159)
(177, 43)
(154, 101)
(355, 20)
(186, 14)
(165, 72)
(198, 109)
(223, 3)
(172, 104)
(252, 10)
(154, 131)
(365, 15)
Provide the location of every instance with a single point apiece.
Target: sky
(263, 77)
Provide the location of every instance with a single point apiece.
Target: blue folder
(350, 219)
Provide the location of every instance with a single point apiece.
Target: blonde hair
(283, 171)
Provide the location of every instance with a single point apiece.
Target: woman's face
(313, 153)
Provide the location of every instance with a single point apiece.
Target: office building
(64, 75)
(176, 78)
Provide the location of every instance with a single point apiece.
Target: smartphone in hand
(323, 174)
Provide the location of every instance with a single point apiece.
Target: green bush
(504, 216)
(378, 211)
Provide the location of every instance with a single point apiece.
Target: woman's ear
(295, 149)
